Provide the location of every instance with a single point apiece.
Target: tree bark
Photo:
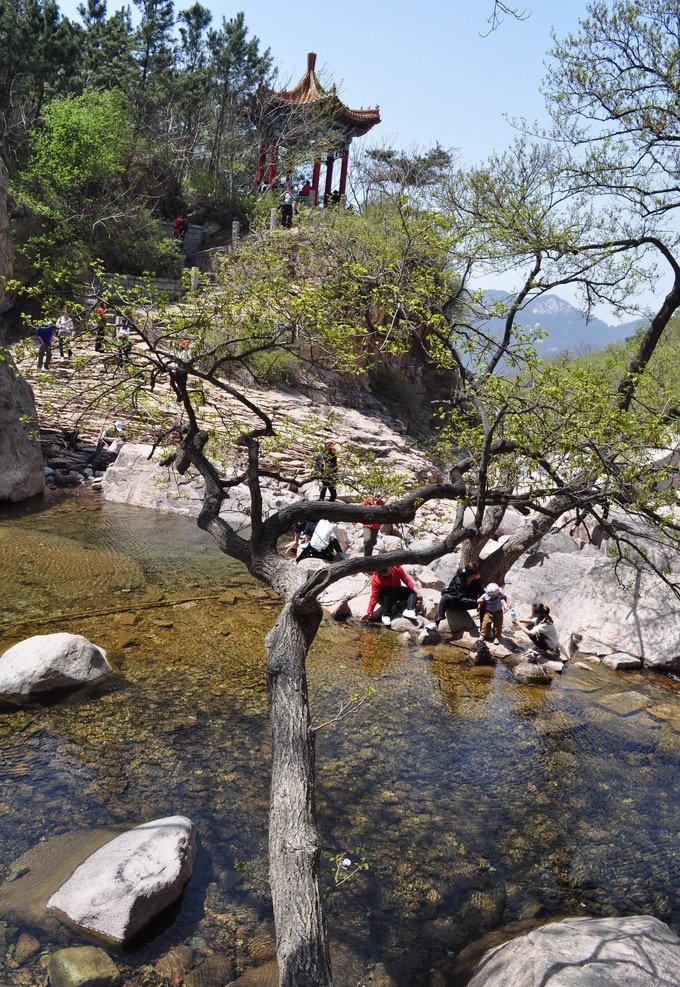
(294, 844)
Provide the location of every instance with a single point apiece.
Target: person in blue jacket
(44, 334)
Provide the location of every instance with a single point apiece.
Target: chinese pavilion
(311, 110)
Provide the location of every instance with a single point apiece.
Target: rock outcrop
(598, 614)
(130, 880)
(22, 473)
(638, 951)
(47, 662)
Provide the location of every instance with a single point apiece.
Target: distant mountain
(566, 328)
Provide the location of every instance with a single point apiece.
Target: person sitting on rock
(491, 606)
(541, 630)
(460, 596)
(109, 435)
(391, 586)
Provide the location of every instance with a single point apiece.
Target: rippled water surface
(476, 803)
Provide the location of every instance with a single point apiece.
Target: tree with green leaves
(612, 91)
(343, 293)
(76, 189)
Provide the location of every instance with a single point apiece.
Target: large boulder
(636, 951)
(140, 481)
(130, 880)
(51, 661)
(22, 473)
(591, 604)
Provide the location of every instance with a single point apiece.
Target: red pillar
(261, 164)
(315, 180)
(274, 162)
(329, 178)
(343, 171)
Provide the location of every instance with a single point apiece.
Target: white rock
(430, 580)
(638, 951)
(131, 879)
(622, 661)
(51, 661)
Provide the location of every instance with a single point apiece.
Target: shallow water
(474, 801)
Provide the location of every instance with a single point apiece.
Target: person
(323, 543)
(326, 465)
(371, 530)
(462, 593)
(101, 319)
(287, 207)
(64, 334)
(44, 334)
(335, 197)
(389, 587)
(302, 532)
(109, 435)
(182, 371)
(492, 604)
(306, 189)
(179, 229)
(123, 340)
(540, 629)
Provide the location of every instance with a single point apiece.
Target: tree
(612, 91)
(77, 185)
(37, 45)
(343, 294)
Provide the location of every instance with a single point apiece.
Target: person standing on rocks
(101, 319)
(65, 334)
(491, 606)
(44, 334)
(371, 530)
(326, 466)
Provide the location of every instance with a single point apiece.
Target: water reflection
(476, 802)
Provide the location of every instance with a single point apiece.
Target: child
(541, 629)
(492, 604)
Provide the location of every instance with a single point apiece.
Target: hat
(493, 589)
(118, 426)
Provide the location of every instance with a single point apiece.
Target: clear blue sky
(425, 64)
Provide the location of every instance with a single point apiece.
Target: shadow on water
(477, 804)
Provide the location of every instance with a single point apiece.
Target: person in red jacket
(389, 587)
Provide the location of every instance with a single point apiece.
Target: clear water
(476, 803)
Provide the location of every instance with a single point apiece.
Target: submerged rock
(131, 879)
(51, 661)
(83, 966)
(526, 673)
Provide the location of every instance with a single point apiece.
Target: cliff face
(21, 466)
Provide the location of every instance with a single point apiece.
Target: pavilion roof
(309, 90)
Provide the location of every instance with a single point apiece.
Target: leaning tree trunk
(294, 846)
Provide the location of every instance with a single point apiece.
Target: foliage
(77, 186)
